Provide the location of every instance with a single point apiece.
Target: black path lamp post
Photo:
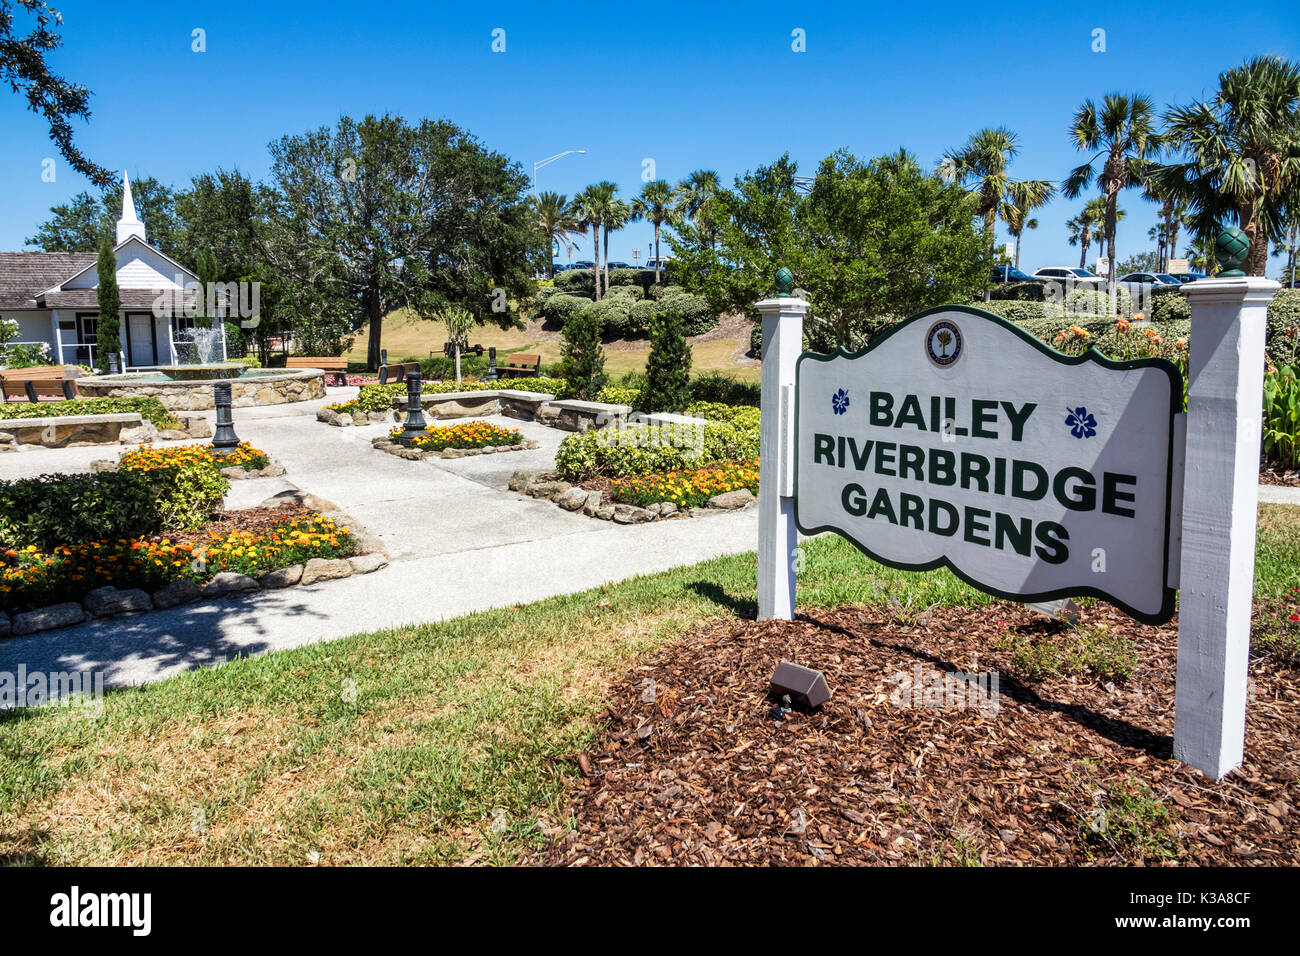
(415, 423)
(224, 439)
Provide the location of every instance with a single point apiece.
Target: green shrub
(558, 309)
(723, 388)
(149, 408)
(55, 510)
(668, 367)
(577, 281)
(1017, 310)
(743, 416)
(1283, 332)
(610, 315)
(1282, 415)
(1168, 304)
(439, 367)
(620, 395)
(1095, 300)
(647, 449)
(583, 362)
(1019, 292)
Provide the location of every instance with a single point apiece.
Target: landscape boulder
(179, 592)
(48, 618)
(325, 569)
(229, 582)
(733, 500)
(109, 601)
(283, 578)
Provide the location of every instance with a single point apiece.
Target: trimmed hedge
(646, 449)
(558, 309)
(1283, 334)
(1168, 304)
(56, 510)
(149, 408)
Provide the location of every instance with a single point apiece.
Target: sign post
(777, 536)
(1220, 497)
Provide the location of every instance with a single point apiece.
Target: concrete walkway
(458, 541)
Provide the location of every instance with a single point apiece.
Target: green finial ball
(1231, 249)
(784, 281)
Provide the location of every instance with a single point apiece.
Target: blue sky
(688, 85)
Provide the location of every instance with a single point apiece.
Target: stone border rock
(111, 428)
(384, 443)
(283, 387)
(592, 503)
(109, 602)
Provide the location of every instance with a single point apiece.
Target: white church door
(140, 339)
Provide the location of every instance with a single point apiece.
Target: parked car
(1070, 275)
(662, 263)
(619, 265)
(1188, 276)
(1137, 282)
(1002, 274)
(584, 264)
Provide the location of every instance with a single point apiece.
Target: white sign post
(1220, 497)
(777, 536)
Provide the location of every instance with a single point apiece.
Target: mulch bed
(1273, 473)
(244, 519)
(695, 769)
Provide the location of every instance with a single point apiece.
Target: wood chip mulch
(244, 519)
(695, 769)
(1274, 473)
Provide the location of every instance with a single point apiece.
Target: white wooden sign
(959, 440)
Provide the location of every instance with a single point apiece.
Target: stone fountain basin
(203, 373)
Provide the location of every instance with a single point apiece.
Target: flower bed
(147, 458)
(687, 488)
(32, 577)
(148, 408)
(475, 434)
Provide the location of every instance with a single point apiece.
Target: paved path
(458, 541)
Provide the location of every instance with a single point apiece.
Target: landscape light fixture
(803, 685)
(547, 161)
(224, 439)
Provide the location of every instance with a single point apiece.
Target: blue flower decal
(840, 402)
(1082, 423)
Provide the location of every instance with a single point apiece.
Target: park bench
(522, 365)
(41, 381)
(396, 372)
(335, 366)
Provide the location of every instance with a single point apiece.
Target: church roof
(24, 275)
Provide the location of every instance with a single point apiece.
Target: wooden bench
(41, 381)
(335, 366)
(521, 365)
(397, 372)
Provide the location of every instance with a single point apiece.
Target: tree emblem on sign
(840, 402)
(945, 339)
(1082, 422)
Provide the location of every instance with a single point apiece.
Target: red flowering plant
(1276, 628)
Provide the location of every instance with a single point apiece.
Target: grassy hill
(408, 337)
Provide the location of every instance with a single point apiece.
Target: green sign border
(1169, 599)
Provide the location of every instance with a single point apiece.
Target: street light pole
(547, 161)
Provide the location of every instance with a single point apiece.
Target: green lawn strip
(402, 745)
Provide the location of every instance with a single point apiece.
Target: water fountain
(202, 358)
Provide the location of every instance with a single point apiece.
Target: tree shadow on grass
(741, 607)
(132, 650)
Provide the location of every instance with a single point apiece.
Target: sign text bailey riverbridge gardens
(957, 440)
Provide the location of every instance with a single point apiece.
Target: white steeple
(129, 225)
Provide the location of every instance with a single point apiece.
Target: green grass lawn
(441, 743)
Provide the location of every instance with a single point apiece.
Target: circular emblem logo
(943, 343)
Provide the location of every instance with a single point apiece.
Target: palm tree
(1085, 226)
(617, 213)
(981, 165)
(1123, 132)
(1022, 198)
(695, 198)
(655, 204)
(590, 207)
(555, 220)
(1172, 210)
(1242, 154)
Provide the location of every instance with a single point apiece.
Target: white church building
(54, 299)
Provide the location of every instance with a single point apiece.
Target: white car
(1070, 275)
